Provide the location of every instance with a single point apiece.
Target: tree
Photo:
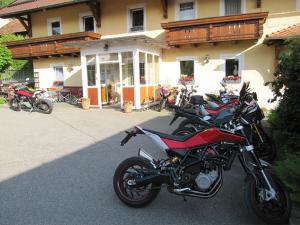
(4, 3)
(286, 87)
(6, 60)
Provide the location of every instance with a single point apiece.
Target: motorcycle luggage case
(197, 100)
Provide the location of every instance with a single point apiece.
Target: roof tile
(289, 32)
(14, 26)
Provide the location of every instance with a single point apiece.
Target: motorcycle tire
(162, 104)
(15, 105)
(44, 106)
(128, 195)
(267, 150)
(271, 212)
(182, 131)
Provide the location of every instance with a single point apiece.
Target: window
(91, 69)
(127, 68)
(54, 26)
(232, 7)
(88, 23)
(150, 74)
(187, 70)
(142, 68)
(58, 75)
(231, 67)
(186, 10)
(136, 19)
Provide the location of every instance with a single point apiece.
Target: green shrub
(289, 171)
(2, 101)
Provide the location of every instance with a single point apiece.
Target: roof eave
(25, 12)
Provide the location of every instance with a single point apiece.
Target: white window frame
(187, 58)
(49, 24)
(58, 65)
(81, 23)
(129, 19)
(177, 8)
(241, 59)
(222, 7)
(298, 5)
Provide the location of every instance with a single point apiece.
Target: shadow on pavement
(77, 189)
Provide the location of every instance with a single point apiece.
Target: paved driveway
(58, 169)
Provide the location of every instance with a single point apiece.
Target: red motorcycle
(194, 167)
(22, 96)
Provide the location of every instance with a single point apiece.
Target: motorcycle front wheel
(273, 211)
(15, 105)
(127, 171)
(44, 106)
(266, 149)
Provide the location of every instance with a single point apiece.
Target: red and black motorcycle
(23, 97)
(195, 164)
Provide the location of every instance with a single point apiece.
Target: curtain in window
(232, 7)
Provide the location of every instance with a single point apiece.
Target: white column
(98, 81)
(121, 78)
(136, 71)
(84, 76)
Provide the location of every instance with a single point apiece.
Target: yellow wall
(72, 71)
(114, 16)
(69, 19)
(258, 66)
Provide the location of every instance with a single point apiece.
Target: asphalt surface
(58, 169)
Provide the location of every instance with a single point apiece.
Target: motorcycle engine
(205, 180)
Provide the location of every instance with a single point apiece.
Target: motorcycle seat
(170, 137)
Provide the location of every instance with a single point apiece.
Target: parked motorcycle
(167, 97)
(195, 166)
(265, 147)
(25, 97)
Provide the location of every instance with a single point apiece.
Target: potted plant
(128, 106)
(86, 102)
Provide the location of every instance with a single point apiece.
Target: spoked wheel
(266, 150)
(126, 173)
(272, 211)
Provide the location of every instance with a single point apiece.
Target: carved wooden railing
(215, 29)
(48, 46)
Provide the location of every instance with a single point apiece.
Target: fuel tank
(24, 93)
(206, 137)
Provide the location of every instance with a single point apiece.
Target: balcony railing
(215, 29)
(48, 46)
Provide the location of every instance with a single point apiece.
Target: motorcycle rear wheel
(182, 131)
(271, 212)
(134, 197)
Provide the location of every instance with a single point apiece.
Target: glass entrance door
(110, 83)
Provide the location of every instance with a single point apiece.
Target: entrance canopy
(120, 70)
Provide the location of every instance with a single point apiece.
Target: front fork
(270, 192)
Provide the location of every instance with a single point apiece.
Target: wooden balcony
(49, 46)
(215, 29)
